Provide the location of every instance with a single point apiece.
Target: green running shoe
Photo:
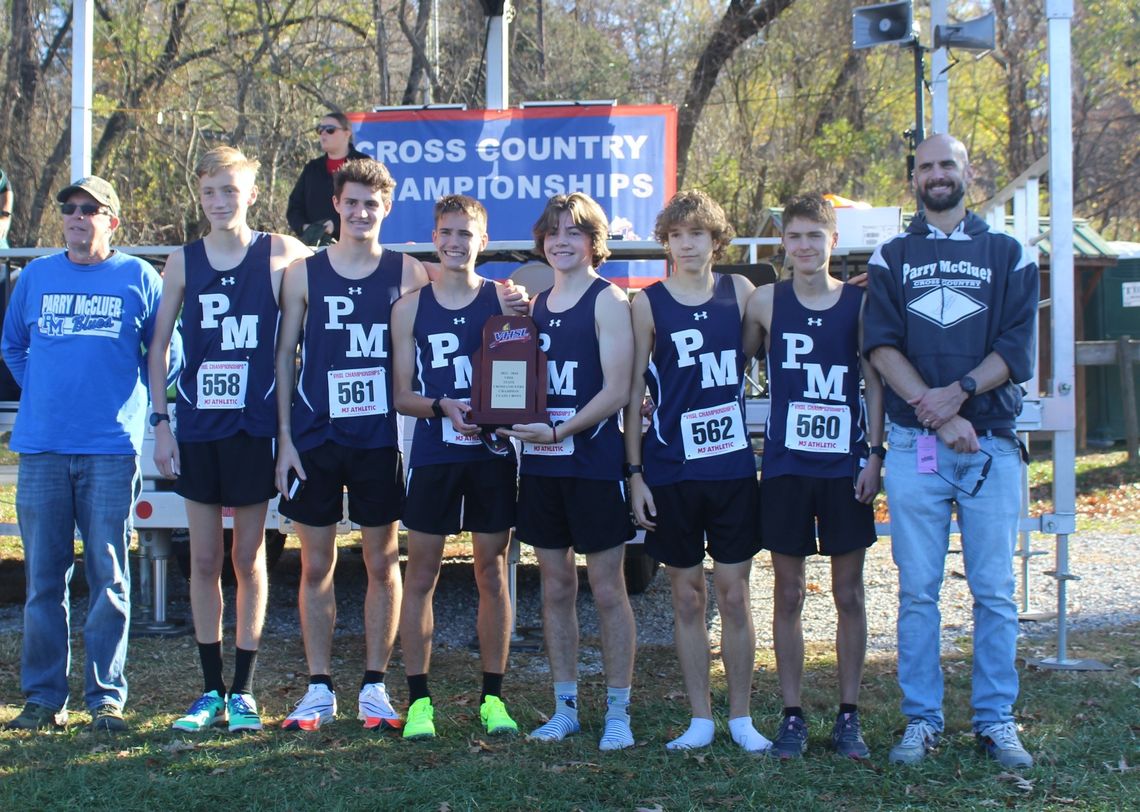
(420, 723)
(494, 715)
(208, 710)
(243, 713)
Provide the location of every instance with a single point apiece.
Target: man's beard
(945, 203)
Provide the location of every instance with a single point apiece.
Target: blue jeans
(55, 494)
(920, 506)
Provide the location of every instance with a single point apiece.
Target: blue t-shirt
(344, 393)
(75, 338)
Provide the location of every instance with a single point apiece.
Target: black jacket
(311, 198)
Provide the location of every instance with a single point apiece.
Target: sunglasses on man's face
(327, 129)
(87, 209)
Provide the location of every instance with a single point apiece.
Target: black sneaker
(847, 737)
(107, 718)
(35, 716)
(791, 740)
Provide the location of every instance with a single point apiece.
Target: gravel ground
(1104, 596)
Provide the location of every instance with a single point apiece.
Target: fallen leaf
(1019, 782)
(1121, 766)
(654, 808)
(178, 746)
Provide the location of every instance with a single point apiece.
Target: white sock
(699, 734)
(617, 703)
(566, 699)
(747, 736)
(564, 722)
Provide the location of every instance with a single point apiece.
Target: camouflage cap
(98, 188)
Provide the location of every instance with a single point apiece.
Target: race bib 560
(819, 428)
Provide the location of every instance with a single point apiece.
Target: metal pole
(1063, 522)
(918, 134)
(919, 97)
(81, 77)
(498, 60)
(939, 75)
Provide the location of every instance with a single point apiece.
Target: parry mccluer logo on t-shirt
(81, 314)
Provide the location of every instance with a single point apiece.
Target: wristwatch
(630, 470)
(158, 417)
(969, 386)
(437, 408)
(879, 451)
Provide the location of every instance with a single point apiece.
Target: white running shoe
(376, 709)
(316, 707)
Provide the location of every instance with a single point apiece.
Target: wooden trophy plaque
(509, 384)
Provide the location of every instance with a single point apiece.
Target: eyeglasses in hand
(981, 477)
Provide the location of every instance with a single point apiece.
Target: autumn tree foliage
(771, 97)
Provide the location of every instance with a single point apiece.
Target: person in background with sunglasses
(950, 324)
(310, 213)
(74, 338)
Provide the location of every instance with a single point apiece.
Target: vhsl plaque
(509, 383)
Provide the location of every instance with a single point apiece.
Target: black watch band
(436, 408)
(630, 470)
(879, 451)
(969, 386)
(158, 417)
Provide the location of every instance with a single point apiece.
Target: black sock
(211, 656)
(417, 687)
(371, 677)
(244, 663)
(847, 708)
(492, 685)
(322, 679)
(796, 711)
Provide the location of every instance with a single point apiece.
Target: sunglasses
(87, 209)
(981, 477)
(327, 129)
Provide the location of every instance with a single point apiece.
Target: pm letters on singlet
(715, 430)
(222, 383)
(814, 426)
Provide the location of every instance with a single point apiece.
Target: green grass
(1082, 728)
(1108, 490)
(7, 456)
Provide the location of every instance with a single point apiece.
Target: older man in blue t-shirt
(73, 339)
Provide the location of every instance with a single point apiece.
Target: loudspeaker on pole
(883, 24)
(971, 35)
